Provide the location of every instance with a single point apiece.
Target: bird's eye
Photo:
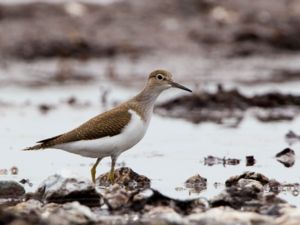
(159, 77)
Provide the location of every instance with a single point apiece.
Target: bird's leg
(93, 170)
(112, 170)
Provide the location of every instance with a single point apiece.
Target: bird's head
(162, 80)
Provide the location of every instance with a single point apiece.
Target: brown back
(109, 123)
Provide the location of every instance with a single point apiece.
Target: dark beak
(176, 85)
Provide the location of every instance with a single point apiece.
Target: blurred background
(62, 62)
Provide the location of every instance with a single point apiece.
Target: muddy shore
(249, 198)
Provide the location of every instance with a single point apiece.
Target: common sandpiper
(114, 131)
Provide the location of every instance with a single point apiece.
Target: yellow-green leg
(112, 170)
(93, 170)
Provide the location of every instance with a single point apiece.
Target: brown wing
(106, 124)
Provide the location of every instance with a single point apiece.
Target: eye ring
(159, 77)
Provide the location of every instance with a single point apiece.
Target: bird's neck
(143, 103)
(148, 95)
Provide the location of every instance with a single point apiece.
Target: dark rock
(212, 160)
(277, 187)
(11, 189)
(291, 137)
(248, 192)
(20, 219)
(247, 175)
(125, 177)
(286, 157)
(45, 108)
(247, 196)
(116, 196)
(154, 199)
(59, 189)
(250, 160)
(119, 199)
(196, 183)
(26, 181)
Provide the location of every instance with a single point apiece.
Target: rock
(247, 175)
(286, 157)
(52, 213)
(277, 187)
(236, 197)
(164, 214)
(212, 160)
(27, 207)
(11, 189)
(250, 160)
(155, 199)
(247, 192)
(44, 108)
(289, 216)
(125, 177)
(196, 183)
(228, 216)
(68, 213)
(291, 137)
(249, 183)
(19, 219)
(116, 196)
(242, 191)
(59, 189)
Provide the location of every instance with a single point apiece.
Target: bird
(116, 130)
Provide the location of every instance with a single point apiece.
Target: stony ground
(249, 198)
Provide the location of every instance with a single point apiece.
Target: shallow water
(172, 150)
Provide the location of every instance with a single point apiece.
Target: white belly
(108, 146)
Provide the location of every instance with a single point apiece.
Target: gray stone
(115, 196)
(247, 175)
(27, 207)
(286, 157)
(68, 213)
(249, 183)
(11, 189)
(196, 183)
(60, 189)
(228, 216)
(289, 216)
(125, 177)
(164, 213)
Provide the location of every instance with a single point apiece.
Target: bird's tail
(35, 147)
